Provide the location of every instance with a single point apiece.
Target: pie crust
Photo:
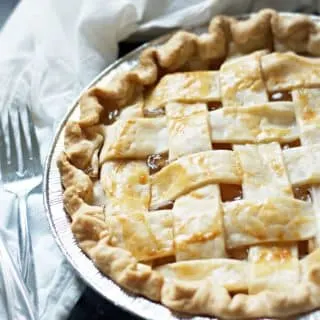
(193, 179)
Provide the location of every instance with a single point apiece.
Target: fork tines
(29, 155)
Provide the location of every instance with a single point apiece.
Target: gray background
(6, 6)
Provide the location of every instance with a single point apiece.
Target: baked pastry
(193, 179)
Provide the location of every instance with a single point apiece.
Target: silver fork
(21, 180)
(13, 285)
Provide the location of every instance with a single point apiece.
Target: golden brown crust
(292, 33)
(253, 34)
(74, 177)
(123, 268)
(172, 56)
(221, 25)
(90, 109)
(313, 46)
(71, 200)
(82, 146)
(184, 51)
(146, 72)
(269, 29)
(175, 53)
(207, 299)
(87, 229)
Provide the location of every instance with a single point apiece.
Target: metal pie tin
(60, 223)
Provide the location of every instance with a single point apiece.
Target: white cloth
(49, 50)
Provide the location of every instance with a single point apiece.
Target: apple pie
(193, 179)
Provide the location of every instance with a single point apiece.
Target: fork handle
(14, 288)
(26, 252)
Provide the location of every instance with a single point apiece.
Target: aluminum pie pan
(60, 222)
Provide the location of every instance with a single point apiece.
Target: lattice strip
(188, 129)
(147, 236)
(191, 172)
(126, 186)
(264, 176)
(134, 139)
(198, 225)
(273, 121)
(188, 87)
(303, 164)
(308, 116)
(274, 219)
(185, 130)
(287, 71)
(231, 274)
(241, 81)
(274, 267)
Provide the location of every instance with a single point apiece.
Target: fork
(21, 180)
(13, 284)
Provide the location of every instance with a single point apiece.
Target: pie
(193, 179)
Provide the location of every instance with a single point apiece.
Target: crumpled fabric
(49, 51)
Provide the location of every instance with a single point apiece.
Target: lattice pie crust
(193, 179)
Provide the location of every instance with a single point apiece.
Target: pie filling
(200, 188)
